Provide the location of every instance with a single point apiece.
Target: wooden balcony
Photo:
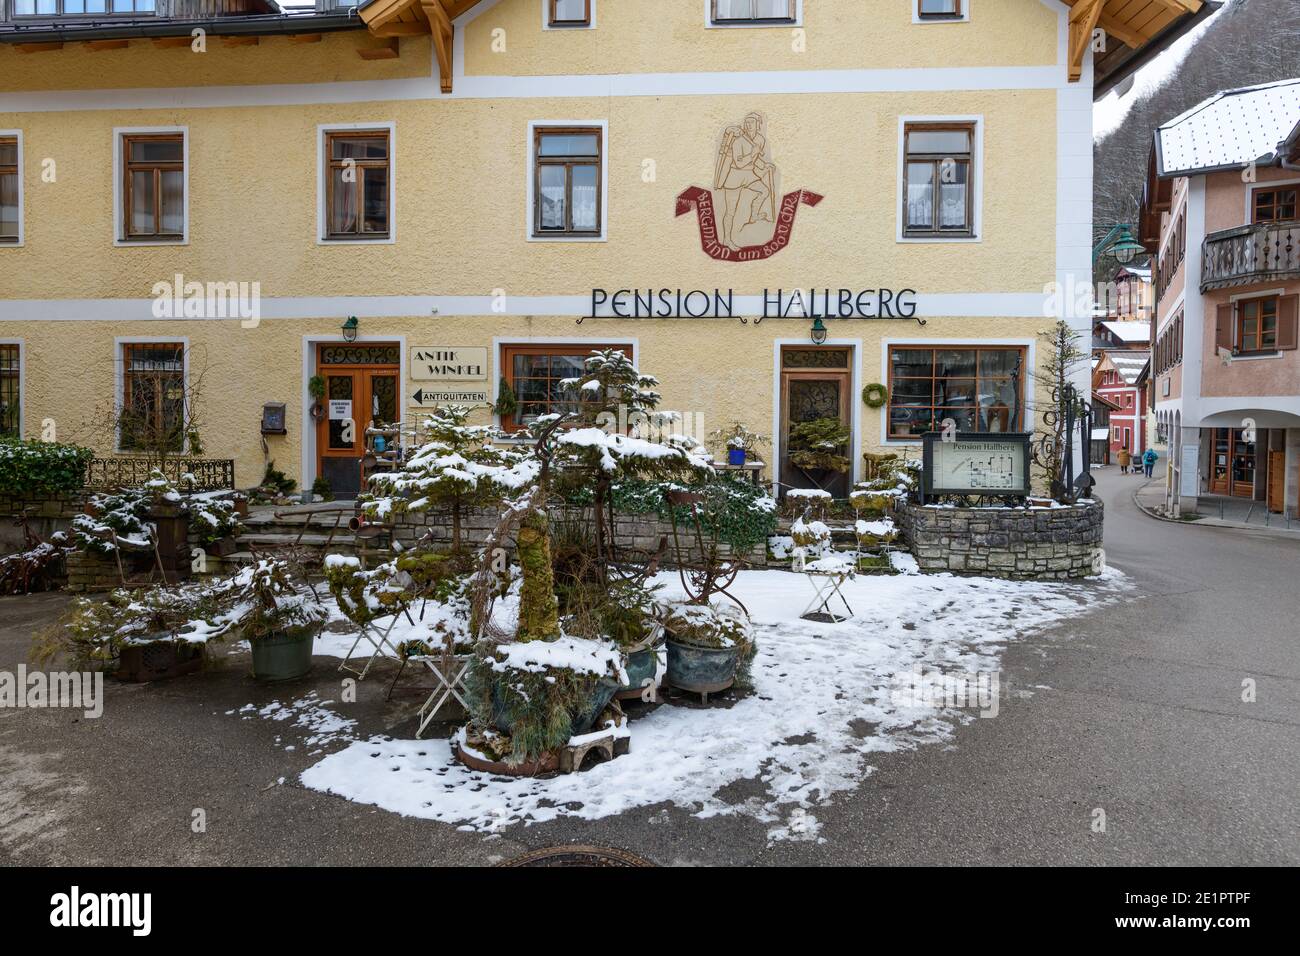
(1246, 255)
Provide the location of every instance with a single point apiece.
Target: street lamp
(1120, 245)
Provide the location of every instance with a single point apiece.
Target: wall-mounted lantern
(350, 329)
(818, 332)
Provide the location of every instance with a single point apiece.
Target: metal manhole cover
(578, 856)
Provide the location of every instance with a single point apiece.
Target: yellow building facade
(704, 184)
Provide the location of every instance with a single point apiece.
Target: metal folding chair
(379, 640)
(826, 591)
(449, 672)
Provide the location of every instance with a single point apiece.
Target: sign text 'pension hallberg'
(777, 304)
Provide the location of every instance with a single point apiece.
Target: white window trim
(1028, 408)
(119, 380)
(119, 214)
(322, 238)
(977, 180)
(1248, 217)
(22, 382)
(709, 24)
(498, 342)
(546, 19)
(17, 134)
(533, 126)
(964, 18)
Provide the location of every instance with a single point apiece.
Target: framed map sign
(976, 463)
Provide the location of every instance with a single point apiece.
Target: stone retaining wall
(633, 531)
(47, 513)
(1039, 543)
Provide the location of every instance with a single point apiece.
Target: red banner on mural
(701, 200)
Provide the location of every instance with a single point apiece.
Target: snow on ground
(309, 713)
(826, 698)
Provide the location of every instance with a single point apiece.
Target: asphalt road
(1136, 711)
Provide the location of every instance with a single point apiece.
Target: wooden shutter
(1223, 327)
(1288, 308)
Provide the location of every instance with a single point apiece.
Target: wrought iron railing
(1247, 254)
(210, 474)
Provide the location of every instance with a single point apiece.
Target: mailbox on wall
(273, 419)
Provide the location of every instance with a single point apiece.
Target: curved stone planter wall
(1039, 543)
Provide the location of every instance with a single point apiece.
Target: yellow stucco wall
(462, 175)
(275, 59)
(718, 369)
(669, 36)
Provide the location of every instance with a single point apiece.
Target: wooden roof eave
(1133, 23)
(398, 18)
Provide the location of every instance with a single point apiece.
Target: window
(1275, 205)
(535, 372)
(978, 388)
(152, 414)
(358, 184)
(568, 13)
(939, 9)
(10, 391)
(10, 190)
(937, 173)
(730, 12)
(1257, 325)
(153, 187)
(57, 8)
(567, 181)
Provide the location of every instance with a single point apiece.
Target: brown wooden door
(809, 391)
(1276, 481)
(356, 396)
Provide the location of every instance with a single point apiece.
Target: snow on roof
(1230, 129)
(1130, 331)
(1141, 273)
(1129, 364)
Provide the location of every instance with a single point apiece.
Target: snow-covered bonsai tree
(612, 439)
(455, 467)
(533, 687)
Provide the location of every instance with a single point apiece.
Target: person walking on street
(1125, 459)
(1149, 461)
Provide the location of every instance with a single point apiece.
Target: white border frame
(1027, 395)
(855, 386)
(119, 222)
(977, 181)
(494, 360)
(796, 24)
(22, 382)
(562, 28)
(119, 380)
(391, 128)
(22, 204)
(310, 340)
(917, 18)
(530, 211)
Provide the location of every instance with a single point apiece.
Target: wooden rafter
(1083, 20)
(107, 44)
(399, 18)
(442, 30)
(38, 47)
